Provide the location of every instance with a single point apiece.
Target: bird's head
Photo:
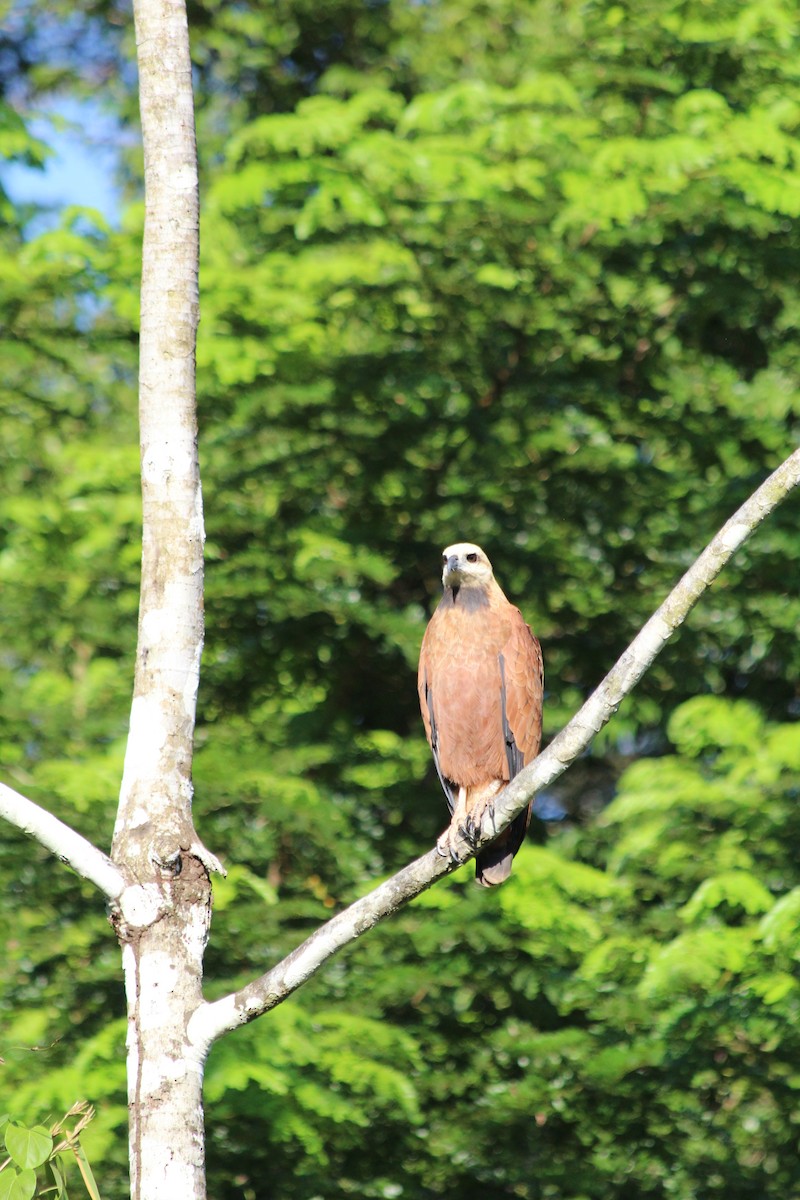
(465, 565)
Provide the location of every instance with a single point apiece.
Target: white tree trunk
(162, 966)
(163, 917)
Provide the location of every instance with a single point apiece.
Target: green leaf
(17, 1185)
(710, 721)
(780, 927)
(696, 962)
(775, 987)
(737, 890)
(59, 1180)
(28, 1147)
(496, 276)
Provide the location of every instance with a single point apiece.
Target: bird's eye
(472, 558)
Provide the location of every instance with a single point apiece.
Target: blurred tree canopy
(522, 273)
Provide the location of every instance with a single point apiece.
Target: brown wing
(522, 691)
(460, 692)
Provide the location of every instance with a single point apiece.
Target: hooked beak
(451, 574)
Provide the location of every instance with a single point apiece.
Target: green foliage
(666, 1048)
(605, 1025)
(39, 1159)
(528, 305)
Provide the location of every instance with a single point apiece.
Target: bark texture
(162, 918)
(154, 819)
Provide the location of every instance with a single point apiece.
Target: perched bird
(480, 690)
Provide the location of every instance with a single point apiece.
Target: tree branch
(210, 1021)
(67, 845)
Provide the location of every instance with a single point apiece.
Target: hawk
(480, 688)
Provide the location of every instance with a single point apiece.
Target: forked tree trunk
(163, 924)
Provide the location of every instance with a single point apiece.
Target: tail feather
(493, 864)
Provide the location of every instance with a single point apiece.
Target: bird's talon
(446, 845)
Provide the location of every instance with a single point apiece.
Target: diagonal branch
(210, 1021)
(67, 845)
